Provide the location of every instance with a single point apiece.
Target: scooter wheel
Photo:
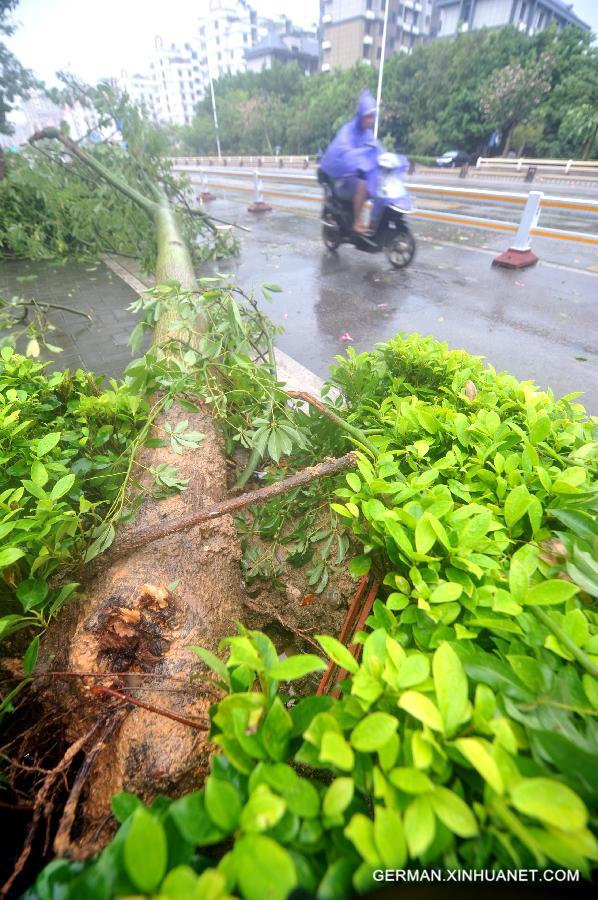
(400, 249)
(330, 234)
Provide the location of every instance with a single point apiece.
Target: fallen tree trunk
(141, 613)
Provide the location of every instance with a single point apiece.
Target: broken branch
(146, 535)
(326, 411)
(99, 689)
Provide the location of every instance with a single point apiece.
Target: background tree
(15, 81)
(513, 93)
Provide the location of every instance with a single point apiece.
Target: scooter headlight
(391, 187)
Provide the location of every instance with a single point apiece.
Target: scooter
(388, 229)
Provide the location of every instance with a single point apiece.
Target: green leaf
(39, 474)
(422, 708)
(410, 781)
(296, 667)
(31, 592)
(222, 803)
(516, 504)
(354, 482)
(48, 442)
(446, 592)
(337, 652)
(275, 730)
(214, 663)
(124, 805)
(425, 536)
(450, 684)
(360, 565)
(551, 802)
(263, 810)
(265, 871)
(453, 812)
(145, 851)
(104, 539)
(182, 882)
(62, 487)
(190, 817)
(478, 753)
(335, 749)
(389, 837)
(414, 669)
(551, 592)
(360, 831)
(338, 796)
(275, 288)
(10, 556)
(419, 826)
(30, 657)
(373, 732)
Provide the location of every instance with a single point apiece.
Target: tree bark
(141, 613)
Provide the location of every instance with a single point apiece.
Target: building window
(379, 53)
(366, 51)
(381, 28)
(522, 11)
(369, 4)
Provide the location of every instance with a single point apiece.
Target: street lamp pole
(381, 70)
(214, 105)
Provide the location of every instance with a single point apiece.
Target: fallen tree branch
(99, 689)
(326, 411)
(146, 535)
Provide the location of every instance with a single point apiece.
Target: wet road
(540, 324)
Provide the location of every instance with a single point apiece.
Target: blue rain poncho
(354, 148)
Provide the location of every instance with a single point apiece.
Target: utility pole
(381, 70)
(214, 106)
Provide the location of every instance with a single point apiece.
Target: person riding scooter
(351, 157)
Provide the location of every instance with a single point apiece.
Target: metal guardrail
(564, 166)
(536, 198)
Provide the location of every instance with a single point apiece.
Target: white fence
(222, 177)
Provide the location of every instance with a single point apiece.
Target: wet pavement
(100, 345)
(539, 324)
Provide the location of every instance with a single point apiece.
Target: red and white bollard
(259, 204)
(519, 255)
(205, 193)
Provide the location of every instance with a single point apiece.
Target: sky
(98, 38)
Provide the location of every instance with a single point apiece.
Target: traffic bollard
(519, 254)
(259, 204)
(205, 193)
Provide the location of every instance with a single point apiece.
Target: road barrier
(527, 226)
(583, 167)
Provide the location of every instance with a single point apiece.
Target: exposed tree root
(43, 805)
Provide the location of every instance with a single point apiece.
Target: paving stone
(100, 345)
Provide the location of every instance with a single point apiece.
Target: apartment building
(352, 30)
(530, 16)
(226, 32)
(284, 43)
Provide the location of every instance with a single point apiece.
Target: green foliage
(52, 206)
(465, 734)
(15, 81)
(63, 453)
(430, 102)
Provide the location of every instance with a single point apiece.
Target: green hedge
(466, 735)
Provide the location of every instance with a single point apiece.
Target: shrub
(465, 736)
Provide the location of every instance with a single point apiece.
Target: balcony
(368, 39)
